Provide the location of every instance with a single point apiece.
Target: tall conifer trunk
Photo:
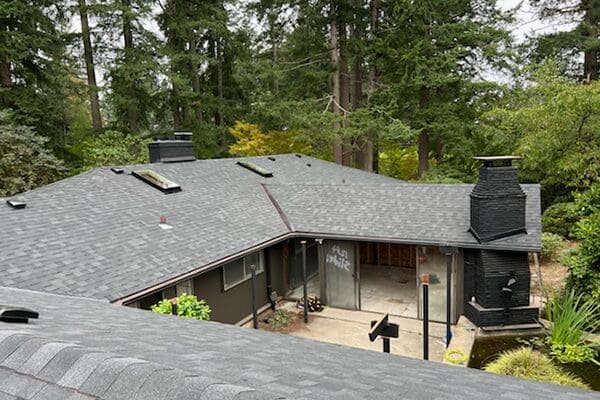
(335, 83)
(89, 67)
(5, 72)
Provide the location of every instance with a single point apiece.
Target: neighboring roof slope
(97, 234)
(111, 352)
(411, 213)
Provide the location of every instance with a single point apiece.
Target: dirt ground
(554, 276)
(294, 323)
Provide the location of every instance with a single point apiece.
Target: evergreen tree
(428, 56)
(584, 39)
(34, 76)
(134, 96)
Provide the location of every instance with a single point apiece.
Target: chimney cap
(498, 161)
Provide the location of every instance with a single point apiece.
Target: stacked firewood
(313, 303)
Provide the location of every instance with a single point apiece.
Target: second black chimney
(497, 200)
(177, 148)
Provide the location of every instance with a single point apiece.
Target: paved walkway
(351, 328)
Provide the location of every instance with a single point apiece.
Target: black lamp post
(304, 283)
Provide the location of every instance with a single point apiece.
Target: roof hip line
(284, 217)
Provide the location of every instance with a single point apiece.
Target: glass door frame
(455, 276)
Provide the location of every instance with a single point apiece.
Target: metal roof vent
(156, 180)
(17, 202)
(16, 314)
(256, 169)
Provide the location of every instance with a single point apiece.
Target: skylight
(256, 169)
(156, 180)
(17, 203)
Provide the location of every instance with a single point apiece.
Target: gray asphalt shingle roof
(97, 234)
(83, 348)
(411, 213)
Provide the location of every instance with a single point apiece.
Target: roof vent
(497, 200)
(17, 202)
(298, 155)
(16, 314)
(156, 180)
(175, 148)
(256, 169)
(271, 158)
(117, 170)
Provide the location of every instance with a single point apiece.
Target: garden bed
(488, 348)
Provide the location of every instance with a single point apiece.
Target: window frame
(246, 268)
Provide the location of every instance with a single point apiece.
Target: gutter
(298, 234)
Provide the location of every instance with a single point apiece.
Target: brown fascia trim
(291, 235)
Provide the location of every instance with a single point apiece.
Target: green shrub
(25, 161)
(559, 219)
(571, 315)
(188, 306)
(114, 148)
(530, 364)
(584, 260)
(280, 319)
(552, 246)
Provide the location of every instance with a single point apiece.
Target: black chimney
(176, 148)
(497, 200)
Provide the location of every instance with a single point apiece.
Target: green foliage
(587, 202)
(114, 148)
(400, 163)
(25, 163)
(569, 353)
(34, 73)
(584, 260)
(571, 315)
(280, 319)
(556, 125)
(552, 246)
(188, 306)
(559, 219)
(530, 364)
(251, 141)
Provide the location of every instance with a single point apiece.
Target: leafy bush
(188, 306)
(400, 163)
(572, 353)
(280, 319)
(584, 260)
(252, 141)
(114, 148)
(530, 364)
(552, 246)
(588, 202)
(559, 219)
(571, 315)
(25, 163)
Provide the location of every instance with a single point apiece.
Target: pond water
(487, 349)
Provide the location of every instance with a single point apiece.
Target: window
(238, 271)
